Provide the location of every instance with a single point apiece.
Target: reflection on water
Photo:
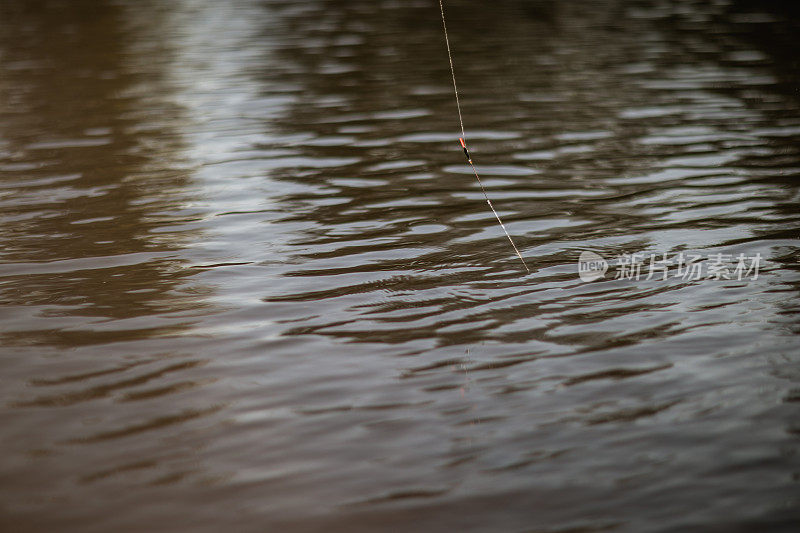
(248, 282)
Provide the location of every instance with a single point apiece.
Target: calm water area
(248, 283)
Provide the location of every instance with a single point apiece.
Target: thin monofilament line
(498, 216)
(452, 69)
(464, 137)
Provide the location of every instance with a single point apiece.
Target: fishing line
(463, 137)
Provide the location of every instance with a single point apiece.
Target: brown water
(248, 282)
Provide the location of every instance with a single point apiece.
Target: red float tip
(463, 144)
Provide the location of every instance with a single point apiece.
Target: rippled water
(249, 282)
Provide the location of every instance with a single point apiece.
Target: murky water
(248, 281)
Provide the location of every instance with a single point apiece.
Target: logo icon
(591, 266)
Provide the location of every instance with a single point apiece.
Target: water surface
(248, 282)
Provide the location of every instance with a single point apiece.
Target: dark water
(248, 282)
